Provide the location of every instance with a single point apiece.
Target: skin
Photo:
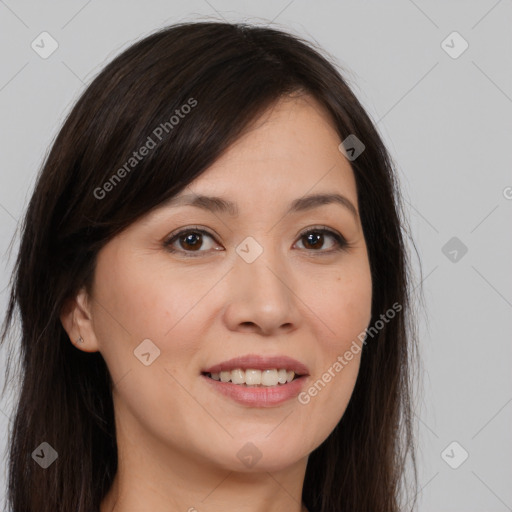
(177, 438)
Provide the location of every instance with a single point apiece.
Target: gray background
(447, 123)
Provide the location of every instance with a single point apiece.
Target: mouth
(253, 377)
(257, 381)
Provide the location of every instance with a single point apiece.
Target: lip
(257, 362)
(258, 396)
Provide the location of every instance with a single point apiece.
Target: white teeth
(238, 376)
(251, 377)
(269, 377)
(281, 376)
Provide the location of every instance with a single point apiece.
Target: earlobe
(76, 319)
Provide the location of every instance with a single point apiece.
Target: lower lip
(264, 396)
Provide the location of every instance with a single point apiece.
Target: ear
(76, 318)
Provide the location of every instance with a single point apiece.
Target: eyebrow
(221, 205)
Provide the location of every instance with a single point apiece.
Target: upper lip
(258, 362)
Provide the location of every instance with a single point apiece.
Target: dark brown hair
(233, 73)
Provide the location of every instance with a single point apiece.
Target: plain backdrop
(436, 77)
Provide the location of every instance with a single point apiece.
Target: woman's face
(266, 282)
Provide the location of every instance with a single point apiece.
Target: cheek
(350, 308)
(343, 304)
(344, 312)
(144, 299)
(136, 302)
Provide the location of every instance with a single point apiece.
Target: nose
(261, 297)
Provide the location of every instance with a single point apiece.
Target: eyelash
(341, 242)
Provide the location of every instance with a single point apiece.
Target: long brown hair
(233, 72)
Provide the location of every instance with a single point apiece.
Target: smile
(254, 380)
(254, 377)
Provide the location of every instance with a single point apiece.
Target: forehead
(291, 148)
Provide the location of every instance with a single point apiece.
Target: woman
(213, 290)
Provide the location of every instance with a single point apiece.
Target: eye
(315, 239)
(190, 240)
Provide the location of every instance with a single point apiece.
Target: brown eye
(314, 240)
(190, 241)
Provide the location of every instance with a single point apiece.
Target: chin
(262, 455)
